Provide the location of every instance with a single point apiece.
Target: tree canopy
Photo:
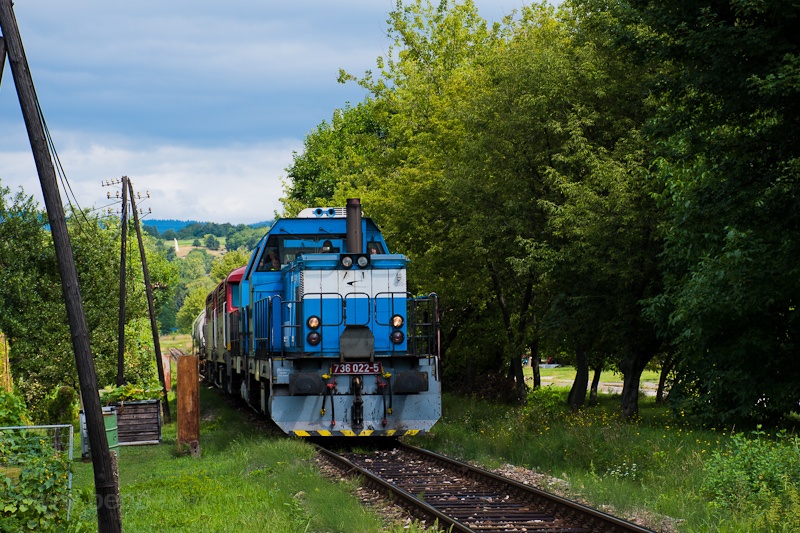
(32, 310)
(612, 180)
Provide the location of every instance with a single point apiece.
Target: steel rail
(571, 512)
(533, 492)
(417, 507)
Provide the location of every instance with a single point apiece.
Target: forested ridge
(614, 183)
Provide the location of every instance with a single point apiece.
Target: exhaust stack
(355, 237)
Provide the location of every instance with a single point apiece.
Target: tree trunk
(666, 368)
(632, 367)
(595, 383)
(577, 394)
(519, 378)
(534, 360)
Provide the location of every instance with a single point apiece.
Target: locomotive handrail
(322, 314)
(423, 335)
(357, 295)
(391, 296)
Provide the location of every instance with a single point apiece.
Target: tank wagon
(320, 333)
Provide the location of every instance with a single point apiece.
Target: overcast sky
(201, 103)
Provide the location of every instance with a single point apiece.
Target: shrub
(12, 409)
(758, 476)
(544, 405)
(131, 392)
(62, 406)
(34, 480)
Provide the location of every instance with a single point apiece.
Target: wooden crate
(139, 422)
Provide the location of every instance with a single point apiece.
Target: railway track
(462, 498)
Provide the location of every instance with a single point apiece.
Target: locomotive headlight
(313, 338)
(397, 337)
(347, 261)
(312, 322)
(362, 261)
(397, 321)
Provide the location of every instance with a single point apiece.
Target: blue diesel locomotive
(319, 332)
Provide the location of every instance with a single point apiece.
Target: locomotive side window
(270, 260)
(374, 247)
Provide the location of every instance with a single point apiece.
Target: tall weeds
(676, 476)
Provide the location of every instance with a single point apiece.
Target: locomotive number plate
(356, 368)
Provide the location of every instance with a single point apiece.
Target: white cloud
(237, 184)
(201, 102)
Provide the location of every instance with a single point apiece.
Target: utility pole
(107, 498)
(2, 57)
(122, 264)
(153, 324)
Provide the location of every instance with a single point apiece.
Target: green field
(564, 376)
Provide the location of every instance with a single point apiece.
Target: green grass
(653, 467)
(182, 341)
(189, 243)
(246, 480)
(657, 467)
(566, 374)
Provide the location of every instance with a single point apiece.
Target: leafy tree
(169, 235)
(192, 306)
(201, 229)
(225, 264)
(600, 217)
(32, 312)
(212, 243)
(244, 237)
(151, 230)
(506, 162)
(336, 155)
(193, 266)
(726, 136)
(423, 198)
(168, 318)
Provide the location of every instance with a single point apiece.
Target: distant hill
(176, 225)
(164, 225)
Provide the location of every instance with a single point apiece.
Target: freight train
(319, 332)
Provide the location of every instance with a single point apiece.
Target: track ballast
(454, 494)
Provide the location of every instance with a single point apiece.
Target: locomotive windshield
(283, 249)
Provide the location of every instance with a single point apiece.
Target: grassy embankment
(654, 467)
(677, 477)
(246, 480)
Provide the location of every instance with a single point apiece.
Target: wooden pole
(153, 324)
(189, 404)
(108, 512)
(122, 264)
(2, 57)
